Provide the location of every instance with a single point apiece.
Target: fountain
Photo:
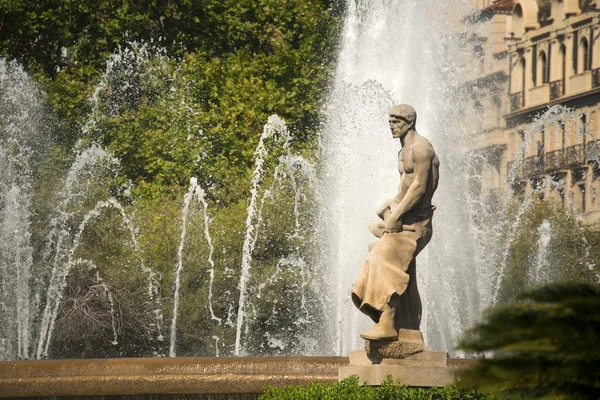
(413, 52)
(24, 112)
(274, 129)
(88, 193)
(385, 60)
(299, 301)
(539, 275)
(194, 192)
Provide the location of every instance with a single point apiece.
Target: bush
(350, 388)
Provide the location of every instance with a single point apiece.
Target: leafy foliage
(250, 58)
(547, 343)
(570, 256)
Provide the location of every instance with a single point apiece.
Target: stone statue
(386, 289)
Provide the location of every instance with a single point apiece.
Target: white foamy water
(540, 273)
(275, 129)
(21, 137)
(414, 52)
(400, 52)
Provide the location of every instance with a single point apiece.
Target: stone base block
(409, 342)
(425, 369)
(405, 359)
(411, 375)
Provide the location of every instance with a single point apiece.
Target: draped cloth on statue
(388, 267)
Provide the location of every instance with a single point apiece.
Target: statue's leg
(413, 297)
(385, 328)
(408, 305)
(403, 318)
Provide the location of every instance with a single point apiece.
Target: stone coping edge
(153, 384)
(165, 365)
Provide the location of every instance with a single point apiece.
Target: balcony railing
(574, 155)
(557, 89)
(571, 157)
(533, 165)
(516, 101)
(554, 160)
(596, 77)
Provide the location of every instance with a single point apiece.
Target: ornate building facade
(543, 53)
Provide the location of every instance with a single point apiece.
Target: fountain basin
(150, 377)
(162, 376)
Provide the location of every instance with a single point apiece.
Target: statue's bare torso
(406, 167)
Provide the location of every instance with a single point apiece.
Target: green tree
(174, 90)
(258, 57)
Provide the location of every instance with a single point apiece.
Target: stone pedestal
(406, 359)
(425, 369)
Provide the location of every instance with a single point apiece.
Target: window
(542, 73)
(524, 72)
(563, 68)
(583, 56)
(517, 21)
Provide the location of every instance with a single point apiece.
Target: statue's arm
(422, 157)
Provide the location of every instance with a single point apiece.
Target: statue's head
(402, 119)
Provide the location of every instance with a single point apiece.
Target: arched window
(517, 83)
(524, 73)
(563, 67)
(524, 17)
(542, 68)
(583, 63)
(517, 21)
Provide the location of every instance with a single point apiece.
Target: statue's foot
(380, 332)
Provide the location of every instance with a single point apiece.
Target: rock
(409, 342)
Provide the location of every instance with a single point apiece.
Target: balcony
(554, 160)
(557, 89)
(539, 94)
(533, 165)
(574, 155)
(581, 82)
(596, 77)
(516, 101)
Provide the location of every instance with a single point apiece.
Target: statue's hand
(386, 209)
(393, 226)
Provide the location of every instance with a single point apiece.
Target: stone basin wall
(242, 378)
(162, 378)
